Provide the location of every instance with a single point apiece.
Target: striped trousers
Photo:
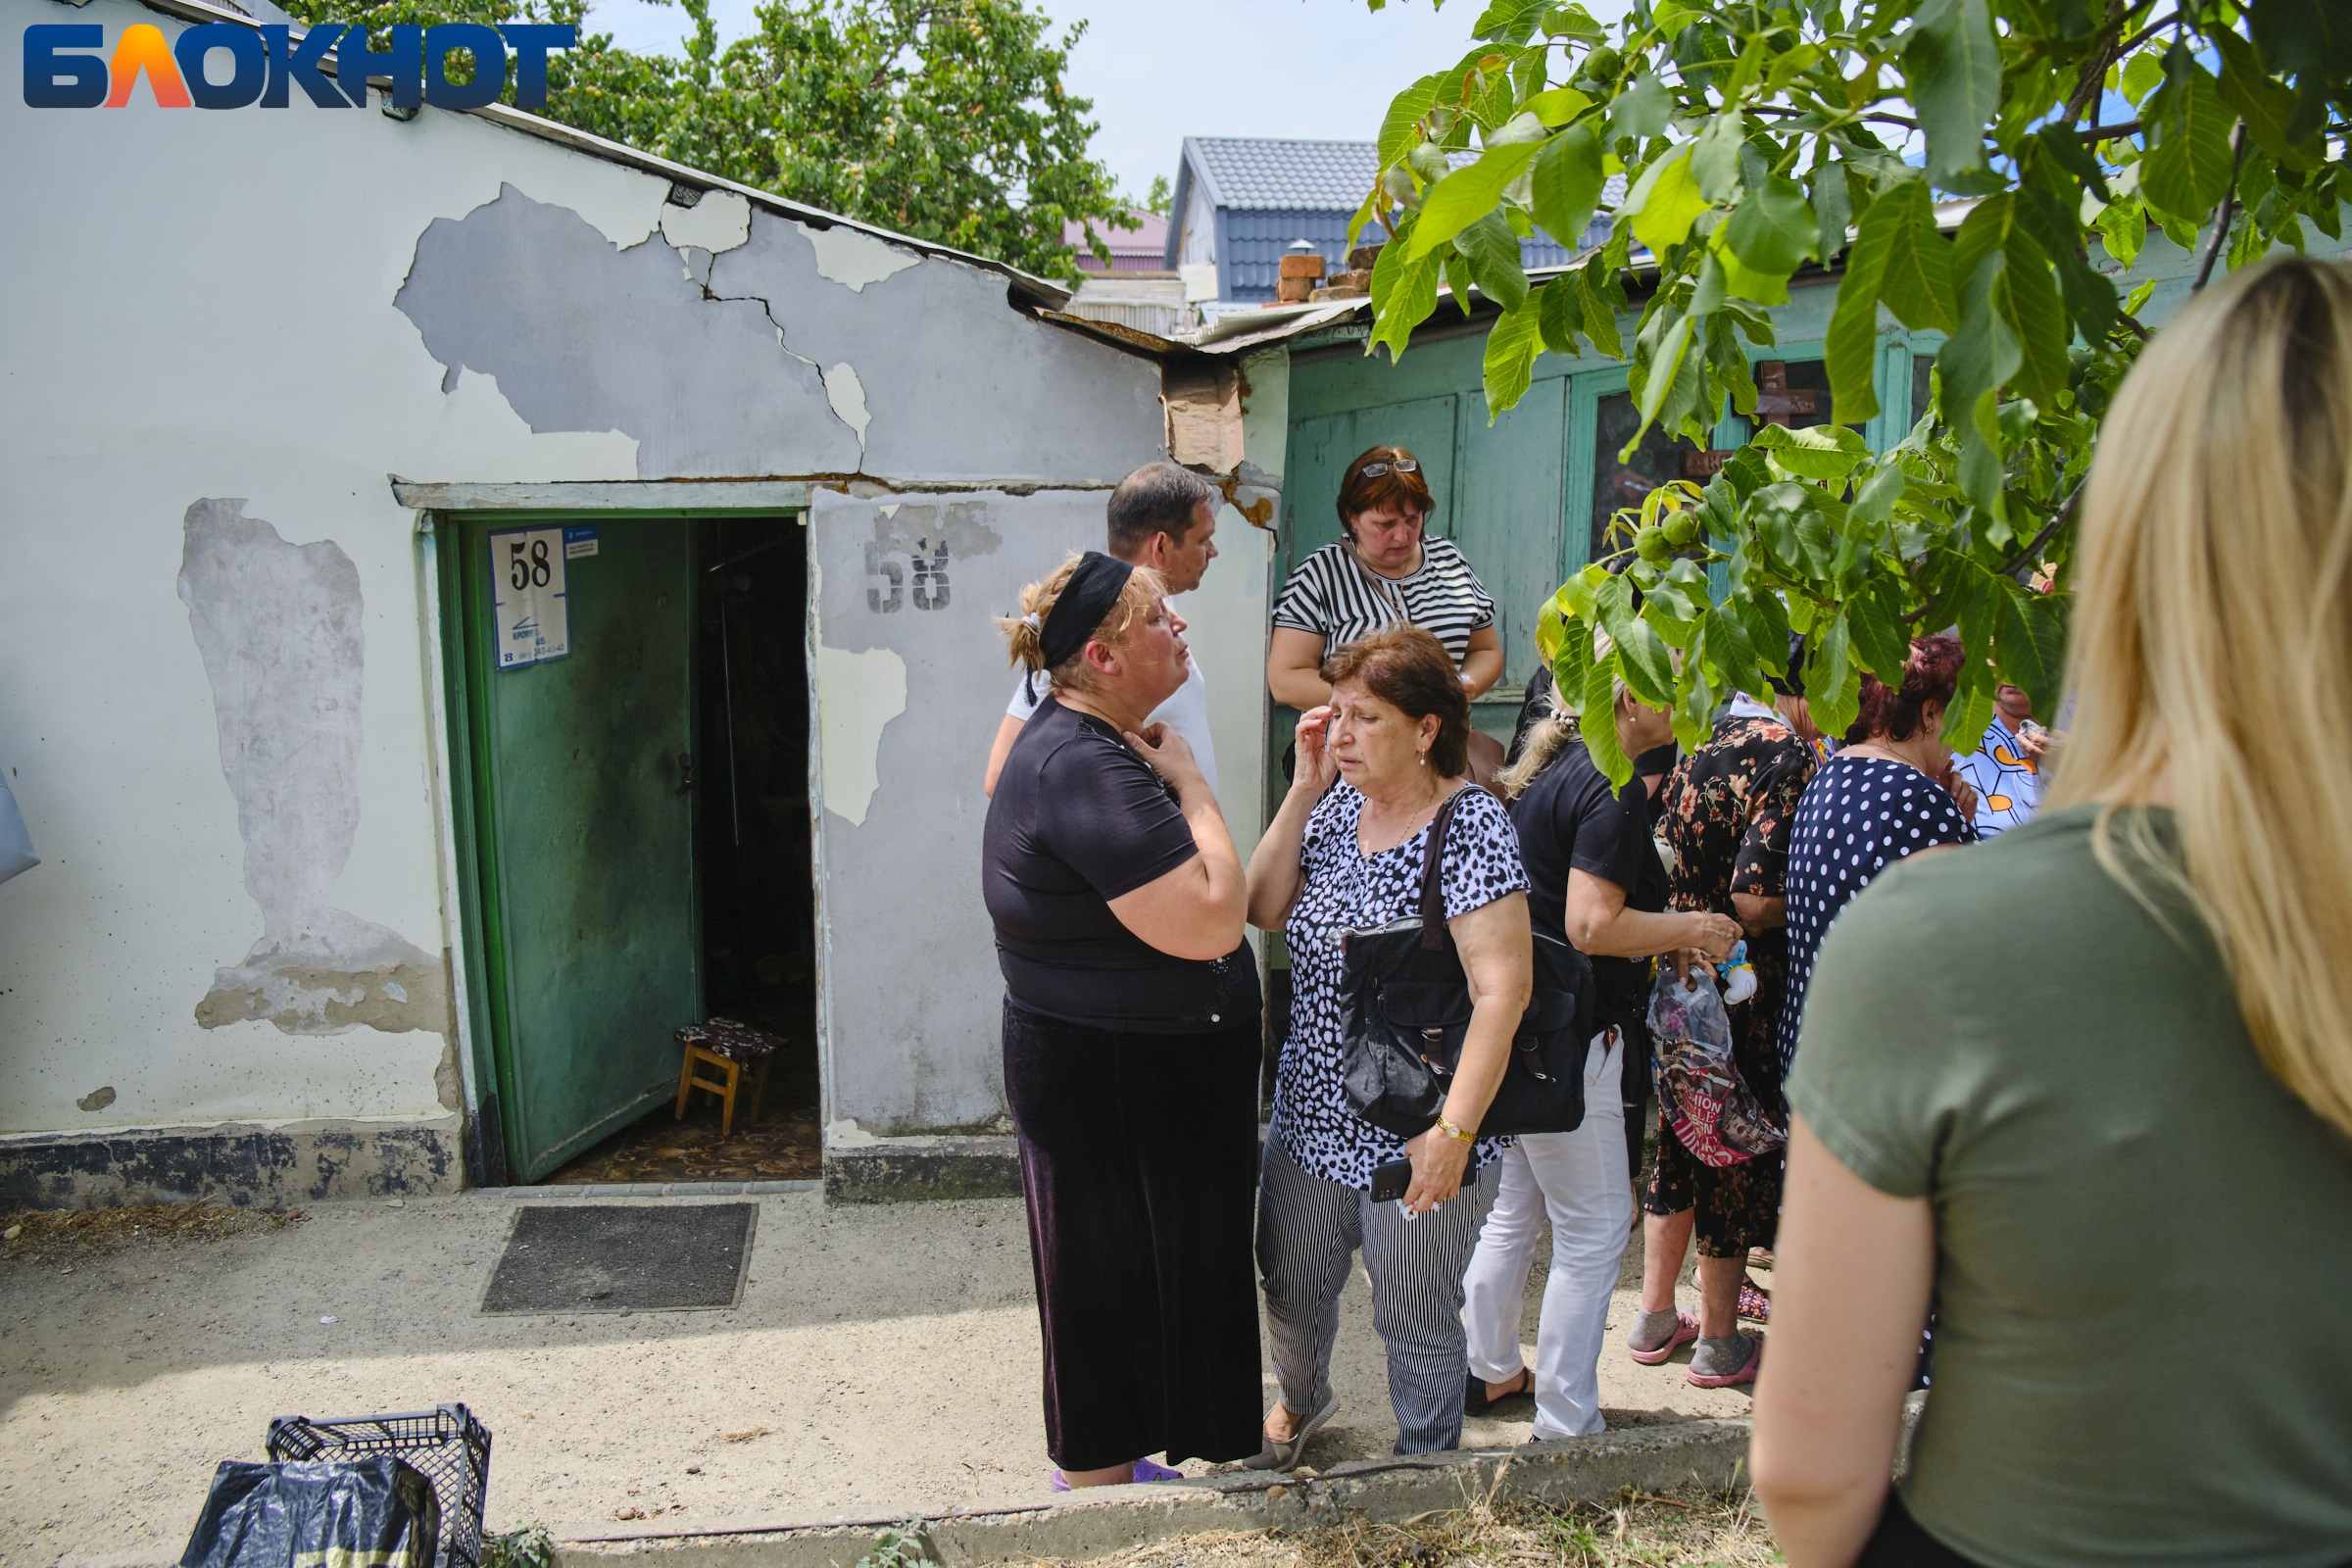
(1308, 1229)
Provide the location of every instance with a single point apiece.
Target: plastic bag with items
(1706, 1102)
(379, 1513)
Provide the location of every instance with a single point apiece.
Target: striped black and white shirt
(1336, 598)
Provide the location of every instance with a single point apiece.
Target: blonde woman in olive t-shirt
(2089, 1087)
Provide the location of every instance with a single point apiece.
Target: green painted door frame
(1516, 493)
(575, 844)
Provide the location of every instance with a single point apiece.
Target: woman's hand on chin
(1439, 1162)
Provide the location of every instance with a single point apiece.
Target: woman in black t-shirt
(1131, 1041)
(1593, 875)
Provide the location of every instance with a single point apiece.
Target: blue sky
(1159, 72)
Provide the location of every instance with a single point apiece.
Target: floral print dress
(1727, 813)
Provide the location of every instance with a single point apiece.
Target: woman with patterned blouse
(1345, 852)
(1726, 813)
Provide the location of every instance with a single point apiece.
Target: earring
(1424, 758)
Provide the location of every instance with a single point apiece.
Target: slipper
(1477, 1401)
(1145, 1471)
(1746, 1372)
(1685, 1329)
(1755, 1302)
(1285, 1456)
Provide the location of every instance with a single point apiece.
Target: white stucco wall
(283, 307)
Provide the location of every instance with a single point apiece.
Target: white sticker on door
(526, 596)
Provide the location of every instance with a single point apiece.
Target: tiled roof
(1147, 240)
(1254, 172)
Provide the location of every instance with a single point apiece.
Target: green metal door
(584, 824)
(1322, 448)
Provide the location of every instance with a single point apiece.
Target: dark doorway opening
(754, 875)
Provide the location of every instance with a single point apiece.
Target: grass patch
(54, 1234)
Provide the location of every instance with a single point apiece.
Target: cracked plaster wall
(914, 1019)
(200, 331)
(201, 307)
(763, 346)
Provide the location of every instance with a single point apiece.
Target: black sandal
(1477, 1401)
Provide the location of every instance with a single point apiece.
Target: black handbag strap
(1433, 935)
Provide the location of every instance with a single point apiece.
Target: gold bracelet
(1452, 1130)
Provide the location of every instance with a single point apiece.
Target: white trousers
(1579, 1179)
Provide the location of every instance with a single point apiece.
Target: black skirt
(1139, 1165)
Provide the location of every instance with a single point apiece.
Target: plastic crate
(447, 1445)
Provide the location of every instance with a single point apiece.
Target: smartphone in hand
(1391, 1181)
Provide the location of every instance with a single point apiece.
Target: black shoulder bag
(1408, 1011)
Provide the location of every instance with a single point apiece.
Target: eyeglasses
(1373, 471)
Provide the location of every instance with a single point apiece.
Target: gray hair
(1156, 498)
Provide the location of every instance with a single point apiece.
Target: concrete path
(884, 1362)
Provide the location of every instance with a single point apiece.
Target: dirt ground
(884, 1362)
(1686, 1531)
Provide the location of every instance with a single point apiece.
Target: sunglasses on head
(1373, 471)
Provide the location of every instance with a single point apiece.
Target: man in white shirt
(1165, 518)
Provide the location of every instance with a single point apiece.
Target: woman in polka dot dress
(1890, 793)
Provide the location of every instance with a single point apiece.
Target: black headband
(1086, 600)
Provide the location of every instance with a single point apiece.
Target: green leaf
(1918, 286)
(1404, 292)
(1398, 133)
(1493, 252)
(1468, 194)
(1642, 110)
(1551, 632)
(2124, 228)
(1510, 21)
(2028, 299)
(1971, 707)
(1641, 654)
(1599, 724)
(1773, 230)
(2030, 644)
(1658, 377)
(1788, 518)
(1955, 68)
(1559, 313)
(1975, 361)
(1600, 298)
(1567, 184)
(1715, 157)
(1880, 492)
(1875, 625)
(1665, 202)
(2265, 104)
(2308, 39)
(1512, 349)
(1556, 106)
(1734, 654)
(1816, 452)
(2143, 75)
(1833, 681)
(1832, 208)
(1850, 351)
(2188, 167)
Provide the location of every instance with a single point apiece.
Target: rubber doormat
(611, 1257)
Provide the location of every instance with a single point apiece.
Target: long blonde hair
(1024, 634)
(2212, 650)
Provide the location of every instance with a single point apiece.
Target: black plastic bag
(364, 1513)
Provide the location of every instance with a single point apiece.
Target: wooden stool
(734, 1049)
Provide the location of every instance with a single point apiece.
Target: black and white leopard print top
(1344, 889)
